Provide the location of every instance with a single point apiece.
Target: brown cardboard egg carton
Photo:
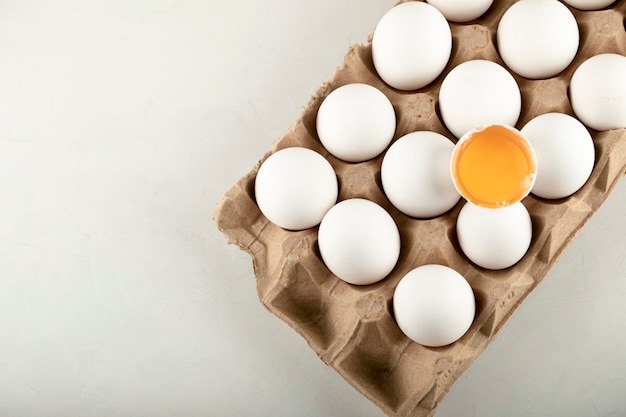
(351, 328)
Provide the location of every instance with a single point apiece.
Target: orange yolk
(494, 167)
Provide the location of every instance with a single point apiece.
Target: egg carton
(351, 328)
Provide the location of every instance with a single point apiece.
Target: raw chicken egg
(537, 38)
(415, 175)
(493, 166)
(356, 122)
(359, 241)
(434, 305)
(295, 187)
(565, 154)
(494, 238)
(411, 45)
(589, 4)
(598, 92)
(461, 10)
(477, 93)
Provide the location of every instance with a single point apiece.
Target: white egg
(359, 241)
(589, 4)
(476, 93)
(295, 187)
(598, 92)
(537, 38)
(461, 10)
(356, 122)
(565, 154)
(494, 238)
(415, 175)
(434, 305)
(411, 45)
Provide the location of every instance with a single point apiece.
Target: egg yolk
(494, 167)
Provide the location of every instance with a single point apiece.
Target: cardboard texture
(351, 328)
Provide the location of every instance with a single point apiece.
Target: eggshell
(598, 92)
(538, 38)
(434, 305)
(461, 10)
(415, 174)
(411, 45)
(356, 122)
(295, 187)
(494, 238)
(478, 92)
(565, 154)
(493, 166)
(589, 4)
(359, 241)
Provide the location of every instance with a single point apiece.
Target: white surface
(122, 123)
